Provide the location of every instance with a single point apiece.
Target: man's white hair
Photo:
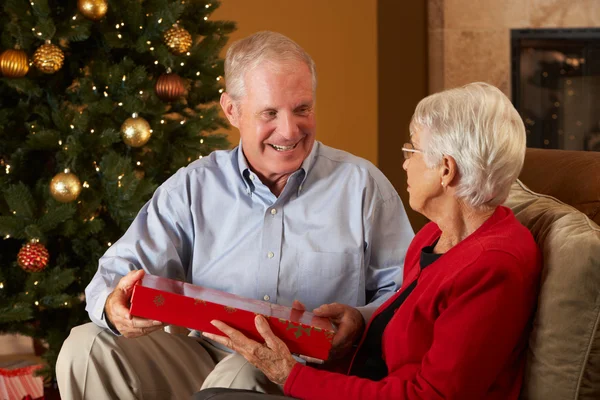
(246, 54)
(479, 127)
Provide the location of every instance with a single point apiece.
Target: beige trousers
(95, 364)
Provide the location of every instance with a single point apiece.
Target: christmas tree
(100, 102)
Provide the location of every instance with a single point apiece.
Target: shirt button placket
(269, 270)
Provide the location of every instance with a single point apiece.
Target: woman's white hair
(479, 127)
(246, 54)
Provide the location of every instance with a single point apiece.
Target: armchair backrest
(563, 359)
(572, 177)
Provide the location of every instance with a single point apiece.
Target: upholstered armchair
(558, 199)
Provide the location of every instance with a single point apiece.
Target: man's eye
(303, 110)
(270, 114)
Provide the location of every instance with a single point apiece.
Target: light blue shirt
(337, 233)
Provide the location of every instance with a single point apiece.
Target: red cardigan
(462, 332)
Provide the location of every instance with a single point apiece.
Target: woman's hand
(273, 357)
(350, 324)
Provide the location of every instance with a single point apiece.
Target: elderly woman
(458, 327)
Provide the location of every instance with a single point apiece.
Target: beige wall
(470, 40)
(341, 36)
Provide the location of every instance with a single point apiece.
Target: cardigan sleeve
(480, 328)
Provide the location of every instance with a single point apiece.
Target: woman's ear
(449, 171)
(230, 109)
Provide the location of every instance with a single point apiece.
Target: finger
(134, 333)
(119, 310)
(297, 305)
(116, 307)
(129, 280)
(311, 359)
(238, 341)
(138, 322)
(153, 328)
(224, 340)
(144, 330)
(237, 337)
(343, 335)
(334, 311)
(119, 299)
(223, 327)
(264, 329)
(136, 325)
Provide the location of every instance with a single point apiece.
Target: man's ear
(229, 109)
(449, 171)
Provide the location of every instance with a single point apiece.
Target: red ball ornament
(169, 87)
(33, 257)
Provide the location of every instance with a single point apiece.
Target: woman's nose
(405, 164)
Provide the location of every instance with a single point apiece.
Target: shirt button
(273, 211)
(251, 177)
(267, 298)
(300, 188)
(270, 254)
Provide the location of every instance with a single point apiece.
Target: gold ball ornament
(48, 58)
(14, 63)
(178, 40)
(33, 257)
(65, 187)
(169, 87)
(136, 131)
(93, 9)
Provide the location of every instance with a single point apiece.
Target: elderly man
(279, 218)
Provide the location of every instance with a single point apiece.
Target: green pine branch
(20, 201)
(24, 86)
(15, 313)
(55, 215)
(40, 8)
(72, 119)
(11, 227)
(44, 140)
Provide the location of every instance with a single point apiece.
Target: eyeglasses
(408, 149)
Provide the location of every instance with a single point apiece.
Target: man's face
(276, 118)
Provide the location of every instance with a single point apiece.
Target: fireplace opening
(556, 86)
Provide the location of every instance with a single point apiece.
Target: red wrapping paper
(183, 304)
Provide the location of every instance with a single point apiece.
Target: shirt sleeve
(479, 332)
(388, 235)
(158, 241)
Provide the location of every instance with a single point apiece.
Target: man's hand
(297, 305)
(350, 324)
(273, 357)
(116, 309)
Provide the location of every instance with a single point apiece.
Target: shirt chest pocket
(328, 278)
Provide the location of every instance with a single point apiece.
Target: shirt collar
(242, 163)
(245, 171)
(309, 162)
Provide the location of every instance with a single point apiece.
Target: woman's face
(424, 184)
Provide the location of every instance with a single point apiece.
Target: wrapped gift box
(193, 307)
(17, 380)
